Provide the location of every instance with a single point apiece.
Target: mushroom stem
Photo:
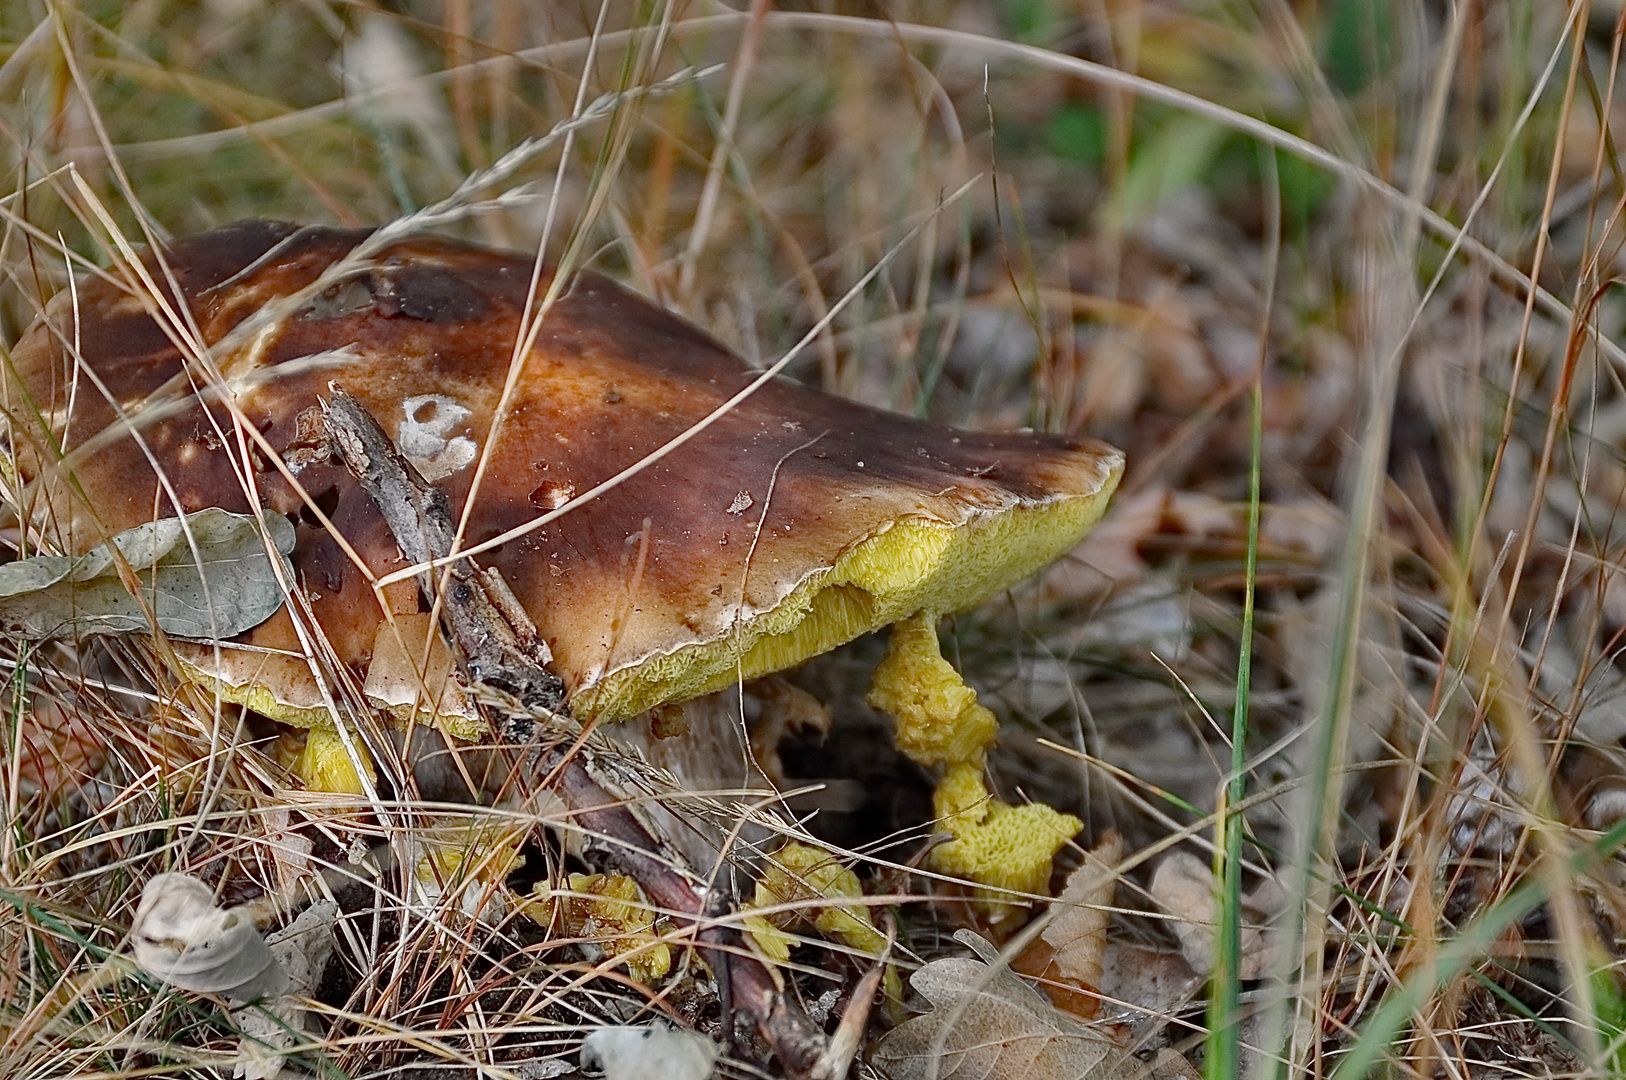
(1006, 851)
(502, 652)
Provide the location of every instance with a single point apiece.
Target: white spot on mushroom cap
(426, 439)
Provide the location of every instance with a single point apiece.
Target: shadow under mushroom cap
(796, 522)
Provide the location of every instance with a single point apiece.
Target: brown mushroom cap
(796, 522)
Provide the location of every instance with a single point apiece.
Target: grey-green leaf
(216, 585)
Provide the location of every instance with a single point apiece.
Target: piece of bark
(499, 643)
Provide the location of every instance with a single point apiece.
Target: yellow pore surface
(914, 564)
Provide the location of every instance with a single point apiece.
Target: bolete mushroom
(794, 522)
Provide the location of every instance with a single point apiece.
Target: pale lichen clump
(1003, 849)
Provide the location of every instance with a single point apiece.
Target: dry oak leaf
(1066, 957)
(987, 1024)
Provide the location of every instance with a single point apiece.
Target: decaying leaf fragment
(1067, 957)
(1078, 933)
(272, 1028)
(218, 583)
(987, 1024)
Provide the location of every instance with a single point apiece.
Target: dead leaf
(1112, 549)
(58, 749)
(216, 584)
(272, 1028)
(1157, 980)
(1065, 959)
(1169, 1065)
(1183, 886)
(1078, 932)
(987, 1024)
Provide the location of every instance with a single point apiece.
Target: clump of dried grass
(1434, 715)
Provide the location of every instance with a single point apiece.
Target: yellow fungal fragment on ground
(469, 861)
(996, 846)
(326, 765)
(815, 882)
(610, 911)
